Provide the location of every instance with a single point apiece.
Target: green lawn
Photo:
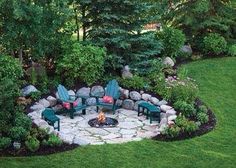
(217, 82)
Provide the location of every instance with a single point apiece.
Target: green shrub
(53, 140)
(191, 127)
(32, 144)
(39, 133)
(186, 109)
(23, 121)
(155, 70)
(214, 44)
(232, 50)
(202, 109)
(202, 118)
(136, 82)
(35, 95)
(84, 62)
(172, 131)
(4, 142)
(172, 39)
(18, 133)
(181, 121)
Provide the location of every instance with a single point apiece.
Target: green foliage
(186, 109)
(84, 62)
(202, 109)
(4, 142)
(172, 39)
(39, 133)
(18, 133)
(202, 118)
(32, 144)
(191, 127)
(232, 50)
(156, 69)
(35, 95)
(21, 120)
(181, 121)
(172, 131)
(53, 140)
(214, 44)
(136, 82)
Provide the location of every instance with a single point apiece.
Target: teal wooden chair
(112, 90)
(64, 97)
(49, 116)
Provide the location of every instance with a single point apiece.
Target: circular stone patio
(130, 128)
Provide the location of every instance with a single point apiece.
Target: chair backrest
(48, 112)
(112, 89)
(62, 93)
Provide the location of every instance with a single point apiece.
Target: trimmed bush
(186, 109)
(232, 50)
(214, 44)
(202, 118)
(191, 127)
(136, 82)
(32, 144)
(4, 142)
(172, 39)
(53, 140)
(23, 121)
(172, 131)
(202, 109)
(18, 133)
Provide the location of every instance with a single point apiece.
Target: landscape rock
(172, 117)
(81, 141)
(163, 121)
(37, 107)
(162, 102)
(134, 95)
(91, 101)
(171, 112)
(119, 102)
(154, 100)
(44, 102)
(57, 107)
(52, 100)
(124, 94)
(126, 74)
(97, 91)
(168, 62)
(84, 91)
(67, 138)
(28, 90)
(72, 94)
(186, 49)
(165, 108)
(128, 104)
(146, 97)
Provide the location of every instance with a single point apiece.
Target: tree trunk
(77, 23)
(20, 52)
(83, 20)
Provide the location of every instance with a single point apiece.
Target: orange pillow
(107, 99)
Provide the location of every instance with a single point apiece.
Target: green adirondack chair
(65, 97)
(112, 90)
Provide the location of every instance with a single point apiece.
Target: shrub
(32, 144)
(39, 133)
(186, 109)
(202, 118)
(191, 127)
(35, 95)
(172, 39)
(18, 133)
(202, 109)
(181, 121)
(155, 70)
(23, 121)
(84, 62)
(4, 142)
(214, 44)
(172, 131)
(232, 50)
(136, 82)
(53, 140)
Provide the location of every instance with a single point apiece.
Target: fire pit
(102, 121)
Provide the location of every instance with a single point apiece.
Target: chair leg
(58, 125)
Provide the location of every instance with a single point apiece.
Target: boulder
(186, 49)
(119, 102)
(162, 102)
(172, 117)
(124, 94)
(163, 121)
(146, 97)
(154, 100)
(84, 91)
(44, 102)
(97, 91)
(168, 62)
(72, 94)
(28, 89)
(52, 100)
(57, 107)
(171, 112)
(91, 101)
(134, 95)
(165, 108)
(126, 74)
(128, 104)
(37, 107)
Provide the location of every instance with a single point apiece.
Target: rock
(98, 131)
(162, 128)
(136, 104)
(162, 102)
(126, 74)
(91, 101)
(124, 94)
(154, 100)
(171, 112)
(127, 131)
(57, 107)
(119, 102)
(40, 122)
(165, 108)
(128, 104)
(163, 115)
(44, 102)
(52, 100)
(168, 62)
(67, 138)
(84, 91)
(186, 49)
(23, 101)
(71, 93)
(37, 107)
(171, 122)
(163, 121)
(128, 125)
(28, 89)
(146, 97)
(172, 117)
(141, 92)
(110, 136)
(134, 95)
(81, 141)
(97, 91)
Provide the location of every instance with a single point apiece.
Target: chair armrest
(97, 94)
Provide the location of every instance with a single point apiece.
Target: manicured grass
(217, 82)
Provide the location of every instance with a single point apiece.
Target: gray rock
(163, 121)
(171, 112)
(119, 102)
(91, 101)
(154, 100)
(163, 115)
(67, 138)
(172, 117)
(124, 94)
(186, 49)
(146, 97)
(128, 104)
(134, 95)
(71, 93)
(126, 74)
(84, 91)
(81, 141)
(44, 102)
(40, 122)
(168, 62)
(28, 89)
(162, 102)
(97, 91)
(52, 100)
(57, 107)
(127, 131)
(165, 108)
(37, 107)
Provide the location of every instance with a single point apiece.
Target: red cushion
(75, 103)
(107, 99)
(66, 105)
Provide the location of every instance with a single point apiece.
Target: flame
(101, 117)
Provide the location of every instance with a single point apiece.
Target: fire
(101, 117)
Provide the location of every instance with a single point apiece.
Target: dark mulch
(43, 150)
